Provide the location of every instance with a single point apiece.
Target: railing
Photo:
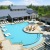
(41, 46)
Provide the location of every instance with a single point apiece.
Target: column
(12, 20)
(27, 17)
(30, 17)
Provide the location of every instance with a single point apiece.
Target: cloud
(20, 2)
(6, 2)
(36, 2)
(28, 2)
(25, 2)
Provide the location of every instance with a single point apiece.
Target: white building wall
(34, 15)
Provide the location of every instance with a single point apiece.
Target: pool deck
(7, 45)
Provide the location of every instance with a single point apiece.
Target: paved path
(1, 36)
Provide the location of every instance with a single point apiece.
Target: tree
(42, 10)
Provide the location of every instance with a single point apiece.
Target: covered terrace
(19, 15)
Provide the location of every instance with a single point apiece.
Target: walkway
(8, 46)
(1, 36)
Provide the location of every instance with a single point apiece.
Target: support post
(12, 20)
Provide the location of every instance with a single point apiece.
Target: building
(18, 13)
(46, 19)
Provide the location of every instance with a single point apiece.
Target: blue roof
(14, 14)
(30, 11)
(23, 13)
(4, 12)
(18, 7)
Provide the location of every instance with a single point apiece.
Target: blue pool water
(19, 36)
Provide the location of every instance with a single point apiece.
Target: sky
(25, 2)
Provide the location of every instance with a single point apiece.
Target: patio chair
(8, 34)
(7, 21)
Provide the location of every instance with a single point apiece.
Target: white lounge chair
(47, 25)
(23, 20)
(4, 30)
(7, 21)
(36, 22)
(17, 21)
(30, 21)
(2, 26)
(8, 34)
(3, 22)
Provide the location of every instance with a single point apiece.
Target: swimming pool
(19, 36)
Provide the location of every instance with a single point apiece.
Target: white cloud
(33, 2)
(6, 2)
(36, 2)
(24, 2)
